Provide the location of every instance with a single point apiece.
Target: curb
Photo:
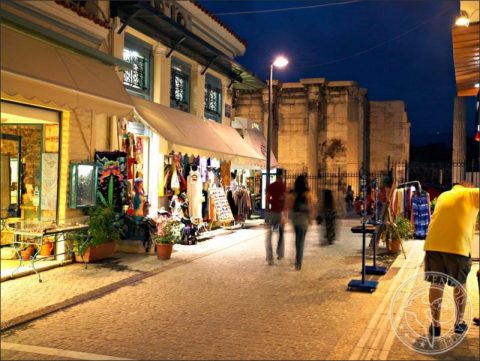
(102, 291)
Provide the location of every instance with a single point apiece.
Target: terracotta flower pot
(46, 249)
(98, 253)
(394, 246)
(27, 253)
(164, 251)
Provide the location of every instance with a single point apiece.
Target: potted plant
(47, 248)
(168, 233)
(398, 230)
(105, 227)
(27, 251)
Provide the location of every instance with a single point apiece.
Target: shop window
(137, 79)
(83, 185)
(29, 149)
(213, 98)
(180, 85)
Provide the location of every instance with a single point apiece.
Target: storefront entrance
(29, 163)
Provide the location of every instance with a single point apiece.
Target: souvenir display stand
(38, 233)
(363, 284)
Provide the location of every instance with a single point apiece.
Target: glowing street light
(279, 62)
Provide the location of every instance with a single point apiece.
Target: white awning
(257, 141)
(187, 133)
(34, 70)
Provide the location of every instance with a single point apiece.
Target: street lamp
(463, 19)
(279, 62)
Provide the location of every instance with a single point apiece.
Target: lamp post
(279, 62)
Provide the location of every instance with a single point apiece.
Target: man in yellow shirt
(448, 249)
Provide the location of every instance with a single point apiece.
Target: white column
(161, 75)
(155, 165)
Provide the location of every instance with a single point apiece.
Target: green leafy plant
(400, 229)
(105, 224)
(432, 205)
(169, 231)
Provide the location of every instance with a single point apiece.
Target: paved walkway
(215, 300)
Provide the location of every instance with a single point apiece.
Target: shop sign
(136, 128)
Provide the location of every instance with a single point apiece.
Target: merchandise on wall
(135, 144)
(113, 165)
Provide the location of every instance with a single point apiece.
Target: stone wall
(389, 134)
(329, 126)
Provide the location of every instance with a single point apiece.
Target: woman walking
(300, 214)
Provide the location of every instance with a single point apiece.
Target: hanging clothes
(231, 202)
(194, 194)
(421, 215)
(205, 205)
(240, 198)
(225, 173)
(185, 166)
(177, 161)
(203, 169)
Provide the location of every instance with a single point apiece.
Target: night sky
(397, 49)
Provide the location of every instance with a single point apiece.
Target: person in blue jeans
(300, 206)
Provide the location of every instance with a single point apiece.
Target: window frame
(144, 50)
(213, 86)
(182, 71)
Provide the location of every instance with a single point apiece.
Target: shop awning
(257, 141)
(191, 134)
(35, 70)
(466, 56)
(240, 148)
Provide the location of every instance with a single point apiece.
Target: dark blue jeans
(300, 233)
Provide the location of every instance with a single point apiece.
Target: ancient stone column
(459, 139)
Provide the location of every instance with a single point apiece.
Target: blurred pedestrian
(274, 218)
(329, 215)
(349, 198)
(300, 207)
(448, 249)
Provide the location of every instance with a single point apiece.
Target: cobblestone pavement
(215, 300)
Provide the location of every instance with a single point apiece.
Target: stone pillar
(459, 139)
(265, 110)
(353, 144)
(313, 87)
(363, 138)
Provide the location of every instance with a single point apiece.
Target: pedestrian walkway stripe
(57, 352)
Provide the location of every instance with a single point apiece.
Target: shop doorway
(29, 167)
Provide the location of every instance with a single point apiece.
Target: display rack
(38, 233)
(374, 269)
(363, 284)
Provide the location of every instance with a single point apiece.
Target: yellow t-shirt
(452, 227)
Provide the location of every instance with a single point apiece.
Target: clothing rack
(418, 186)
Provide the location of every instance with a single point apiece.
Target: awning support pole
(208, 64)
(124, 25)
(179, 41)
